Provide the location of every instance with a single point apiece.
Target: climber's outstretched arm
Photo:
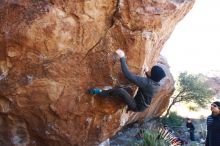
(129, 75)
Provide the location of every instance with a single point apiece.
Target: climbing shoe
(94, 91)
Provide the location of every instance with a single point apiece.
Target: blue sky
(194, 46)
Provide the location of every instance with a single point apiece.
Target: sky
(194, 45)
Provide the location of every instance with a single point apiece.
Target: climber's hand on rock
(120, 53)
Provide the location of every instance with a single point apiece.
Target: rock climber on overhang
(148, 86)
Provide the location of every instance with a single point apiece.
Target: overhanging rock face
(52, 51)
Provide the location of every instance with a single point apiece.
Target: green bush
(151, 138)
(173, 120)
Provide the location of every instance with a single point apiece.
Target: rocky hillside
(52, 51)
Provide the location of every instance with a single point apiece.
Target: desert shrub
(173, 120)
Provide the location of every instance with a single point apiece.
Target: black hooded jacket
(147, 87)
(213, 131)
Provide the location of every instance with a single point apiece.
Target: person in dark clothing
(213, 126)
(190, 128)
(148, 86)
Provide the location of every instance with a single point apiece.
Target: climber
(148, 86)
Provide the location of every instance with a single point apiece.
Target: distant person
(213, 126)
(148, 86)
(190, 128)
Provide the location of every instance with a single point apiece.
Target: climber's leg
(121, 93)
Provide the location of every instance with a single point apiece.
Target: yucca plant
(171, 139)
(160, 137)
(151, 138)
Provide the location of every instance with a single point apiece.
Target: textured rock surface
(52, 51)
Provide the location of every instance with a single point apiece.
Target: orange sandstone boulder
(52, 51)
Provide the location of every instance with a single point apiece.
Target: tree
(191, 88)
